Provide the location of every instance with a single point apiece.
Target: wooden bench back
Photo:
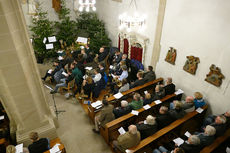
(149, 140)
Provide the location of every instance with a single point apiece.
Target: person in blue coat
(198, 101)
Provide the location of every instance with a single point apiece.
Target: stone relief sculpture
(191, 64)
(171, 56)
(32, 7)
(56, 4)
(214, 76)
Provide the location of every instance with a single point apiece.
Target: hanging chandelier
(134, 22)
(87, 5)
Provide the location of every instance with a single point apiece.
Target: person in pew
(188, 105)
(38, 145)
(106, 115)
(123, 75)
(139, 81)
(198, 101)
(103, 53)
(78, 76)
(64, 81)
(150, 74)
(123, 110)
(147, 127)
(126, 60)
(169, 87)
(137, 103)
(177, 112)
(57, 66)
(207, 137)
(218, 124)
(147, 99)
(99, 83)
(164, 150)
(84, 55)
(159, 93)
(163, 118)
(129, 139)
(117, 57)
(192, 145)
(125, 86)
(88, 86)
(101, 67)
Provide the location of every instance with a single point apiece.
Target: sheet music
(82, 40)
(145, 92)
(187, 134)
(89, 68)
(111, 66)
(50, 71)
(60, 51)
(96, 104)
(178, 141)
(146, 106)
(118, 95)
(52, 39)
(19, 148)
(65, 74)
(135, 112)
(44, 40)
(121, 130)
(179, 91)
(145, 122)
(49, 46)
(60, 58)
(199, 110)
(2, 117)
(55, 149)
(113, 75)
(157, 102)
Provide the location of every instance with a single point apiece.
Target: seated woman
(88, 86)
(198, 101)
(147, 99)
(147, 127)
(178, 112)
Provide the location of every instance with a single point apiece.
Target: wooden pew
(92, 111)
(145, 145)
(216, 143)
(55, 141)
(110, 132)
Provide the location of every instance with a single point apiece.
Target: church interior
(114, 76)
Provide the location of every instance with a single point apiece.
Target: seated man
(103, 53)
(219, 125)
(150, 74)
(123, 110)
(127, 60)
(198, 101)
(163, 118)
(159, 93)
(169, 87)
(38, 145)
(125, 86)
(129, 139)
(105, 116)
(188, 105)
(192, 145)
(99, 83)
(207, 137)
(177, 112)
(117, 57)
(137, 103)
(57, 66)
(147, 127)
(139, 81)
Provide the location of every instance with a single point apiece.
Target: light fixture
(87, 5)
(134, 22)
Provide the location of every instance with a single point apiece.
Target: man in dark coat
(163, 118)
(38, 145)
(169, 87)
(139, 81)
(123, 110)
(103, 53)
(193, 145)
(150, 74)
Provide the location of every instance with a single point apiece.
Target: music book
(55, 148)
(146, 106)
(187, 134)
(96, 104)
(135, 112)
(118, 95)
(44, 40)
(89, 68)
(199, 110)
(158, 102)
(60, 51)
(65, 74)
(146, 92)
(2, 117)
(121, 130)
(49, 46)
(60, 58)
(52, 39)
(179, 91)
(111, 66)
(19, 148)
(82, 40)
(178, 141)
(50, 71)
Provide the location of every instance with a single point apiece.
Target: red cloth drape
(136, 53)
(119, 42)
(126, 46)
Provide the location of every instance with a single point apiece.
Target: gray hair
(194, 140)
(210, 130)
(222, 119)
(164, 108)
(133, 129)
(124, 103)
(150, 120)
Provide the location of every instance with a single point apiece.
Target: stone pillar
(21, 90)
(158, 33)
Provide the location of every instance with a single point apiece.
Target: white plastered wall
(202, 29)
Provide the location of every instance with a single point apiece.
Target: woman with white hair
(192, 145)
(207, 137)
(123, 110)
(147, 127)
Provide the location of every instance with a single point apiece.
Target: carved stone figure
(56, 4)
(191, 64)
(171, 56)
(214, 76)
